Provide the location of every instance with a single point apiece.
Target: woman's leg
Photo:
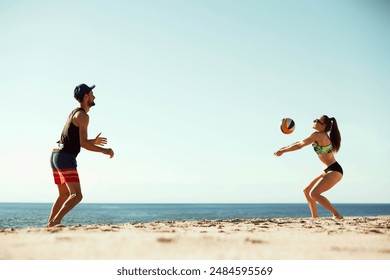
(312, 202)
(326, 183)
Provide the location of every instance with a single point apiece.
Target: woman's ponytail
(335, 136)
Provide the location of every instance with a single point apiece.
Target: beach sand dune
(352, 238)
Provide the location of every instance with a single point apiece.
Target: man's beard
(90, 104)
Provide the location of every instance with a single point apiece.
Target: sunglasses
(318, 121)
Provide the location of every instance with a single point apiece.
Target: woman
(325, 147)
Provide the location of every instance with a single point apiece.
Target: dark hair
(335, 137)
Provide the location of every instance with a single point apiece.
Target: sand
(353, 238)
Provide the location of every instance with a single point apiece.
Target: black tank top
(70, 136)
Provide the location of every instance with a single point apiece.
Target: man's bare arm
(82, 120)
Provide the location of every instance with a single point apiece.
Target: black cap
(81, 90)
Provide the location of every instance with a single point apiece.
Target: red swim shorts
(64, 168)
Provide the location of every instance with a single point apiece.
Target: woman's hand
(278, 153)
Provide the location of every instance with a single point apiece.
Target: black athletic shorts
(334, 167)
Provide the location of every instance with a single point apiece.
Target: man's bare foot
(338, 217)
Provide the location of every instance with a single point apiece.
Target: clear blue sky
(190, 95)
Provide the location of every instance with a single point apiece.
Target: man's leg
(63, 194)
(74, 197)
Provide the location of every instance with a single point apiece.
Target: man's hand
(109, 152)
(101, 141)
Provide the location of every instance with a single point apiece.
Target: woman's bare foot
(53, 223)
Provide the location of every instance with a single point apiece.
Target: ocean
(25, 215)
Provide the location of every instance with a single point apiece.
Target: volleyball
(287, 125)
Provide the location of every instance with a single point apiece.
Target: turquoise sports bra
(321, 150)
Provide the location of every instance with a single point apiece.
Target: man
(63, 160)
